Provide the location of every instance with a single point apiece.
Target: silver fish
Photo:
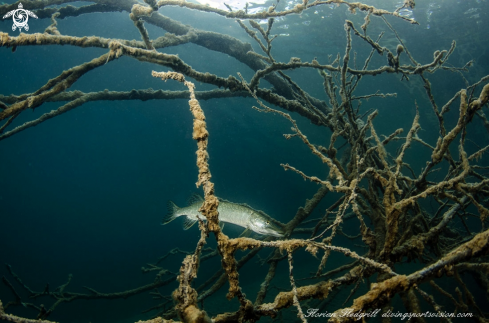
(239, 214)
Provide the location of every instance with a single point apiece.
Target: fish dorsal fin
(188, 223)
(195, 198)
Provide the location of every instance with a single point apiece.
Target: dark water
(84, 193)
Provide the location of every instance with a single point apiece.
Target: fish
(229, 212)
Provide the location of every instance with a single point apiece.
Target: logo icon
(20, 17)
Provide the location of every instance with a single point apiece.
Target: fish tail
(172, 213)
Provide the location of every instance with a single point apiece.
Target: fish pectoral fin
(221, 225)
(188, 223)
(246, 233)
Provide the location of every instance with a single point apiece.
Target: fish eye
(267, 222)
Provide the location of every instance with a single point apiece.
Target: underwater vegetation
(404, 207)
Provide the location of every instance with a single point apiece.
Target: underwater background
(84, 193)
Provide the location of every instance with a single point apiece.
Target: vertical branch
(185, 294)
(346, 59)
(211, 203)
(344, 68)
(294, 288)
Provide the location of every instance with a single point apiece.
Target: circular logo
(20, 17)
